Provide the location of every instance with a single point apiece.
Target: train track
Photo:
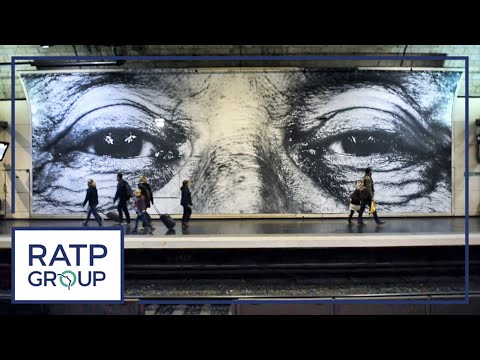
(289, 269)
(137, 271)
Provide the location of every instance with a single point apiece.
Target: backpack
(355, 197)
(128, 190)
(145, 193)
(360, 185)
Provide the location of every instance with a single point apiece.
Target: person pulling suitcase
(186, 202)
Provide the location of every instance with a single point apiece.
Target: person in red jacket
(140, 209)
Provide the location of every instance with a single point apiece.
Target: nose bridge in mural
(228, 179)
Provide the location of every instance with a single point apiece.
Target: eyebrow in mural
(250, 141)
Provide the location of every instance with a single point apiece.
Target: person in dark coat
(123, 194)
(146, 190)
(186, 202)
(92, 198)
(366, 198)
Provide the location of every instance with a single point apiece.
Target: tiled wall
(472, 51)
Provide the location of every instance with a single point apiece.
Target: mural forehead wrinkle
(250, 141)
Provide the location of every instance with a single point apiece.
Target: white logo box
(67, 265)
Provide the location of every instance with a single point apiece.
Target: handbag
(373, 207)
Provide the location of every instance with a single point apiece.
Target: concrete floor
(440, 225)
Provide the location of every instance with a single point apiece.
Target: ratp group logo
(67, 265)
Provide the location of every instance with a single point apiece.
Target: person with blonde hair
(144, 186)
(92, 198)
(140, 209)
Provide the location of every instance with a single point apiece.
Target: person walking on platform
(92, 198)
(123, 194)
(141, 210)
(354, 203)
(366, 198)
(144, 186)
(186, 202)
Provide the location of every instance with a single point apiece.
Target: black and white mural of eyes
(378, 125)
(88, 126)
(251, 141)
(152, 150)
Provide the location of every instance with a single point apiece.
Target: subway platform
(281, 233)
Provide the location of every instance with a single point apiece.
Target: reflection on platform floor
(443, 225)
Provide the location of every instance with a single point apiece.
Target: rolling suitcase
(111, 215)
(167, 220)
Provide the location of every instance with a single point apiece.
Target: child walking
(140, 209)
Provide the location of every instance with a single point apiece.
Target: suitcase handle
(158, 212)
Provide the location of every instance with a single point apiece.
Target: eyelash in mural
(128, 144)
(335, 151)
